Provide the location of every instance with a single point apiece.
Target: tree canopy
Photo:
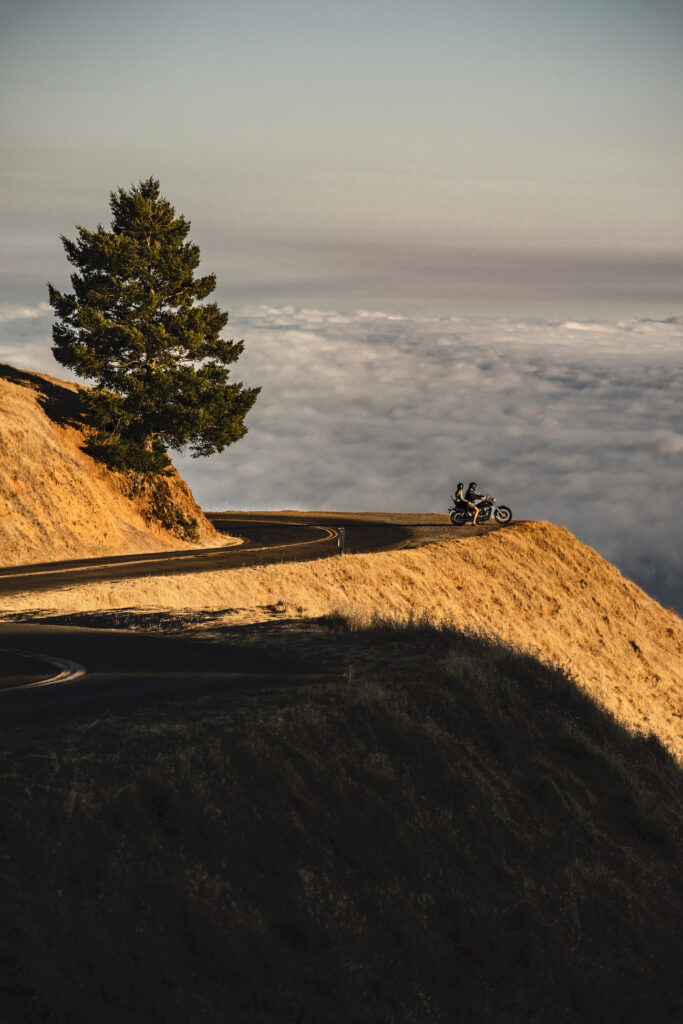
(136, 325)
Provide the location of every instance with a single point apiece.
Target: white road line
(329, 534)
(70, 670)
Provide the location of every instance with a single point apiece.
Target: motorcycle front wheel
(502, 514)
(458, 518)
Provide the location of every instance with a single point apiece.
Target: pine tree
(133, 325)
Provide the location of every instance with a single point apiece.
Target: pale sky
(468, 156)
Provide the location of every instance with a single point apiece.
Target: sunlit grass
(532, 586)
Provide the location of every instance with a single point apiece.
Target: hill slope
(418, 825)
(532, 586)
(57, 502)
(451, 832)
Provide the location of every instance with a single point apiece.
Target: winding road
(104, 668)
(264, 541)
(118, 668)
(49, 670)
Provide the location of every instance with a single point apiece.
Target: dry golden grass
(533, 586)
(55, 501)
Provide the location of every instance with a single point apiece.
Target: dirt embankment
(57, 502)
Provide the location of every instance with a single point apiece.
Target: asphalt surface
(55, 671)
(264, 541)
(52, 671)
(121, 668)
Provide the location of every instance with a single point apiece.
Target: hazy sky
(474, 154)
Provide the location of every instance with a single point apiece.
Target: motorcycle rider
(470, 497)
(459, 499)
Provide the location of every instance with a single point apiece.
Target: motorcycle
(487, 508)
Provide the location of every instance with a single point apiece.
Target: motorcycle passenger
(460, 502)
(470, 497)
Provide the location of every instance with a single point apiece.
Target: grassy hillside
(56, 502)
(463, 802)
(533, 586)
(429, 829)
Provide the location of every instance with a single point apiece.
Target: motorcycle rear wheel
(502, 514)
(458, 518)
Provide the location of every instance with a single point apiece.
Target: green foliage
(133, 325)
(120, 453)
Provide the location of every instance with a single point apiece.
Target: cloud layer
(579, 423)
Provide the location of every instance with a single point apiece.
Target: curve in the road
(51, 575)
(124, 668)
(68, 670)
(264, 541)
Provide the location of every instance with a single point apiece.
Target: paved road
(121, 668)
(48, 670)
(276, 539)
(57, 670)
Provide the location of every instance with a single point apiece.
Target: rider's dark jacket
(471, 495)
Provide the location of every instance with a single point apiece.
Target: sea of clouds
(579, 423)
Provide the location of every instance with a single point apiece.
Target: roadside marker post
(341, 539)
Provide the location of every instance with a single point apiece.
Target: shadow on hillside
(61, 404)
(444, 831)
